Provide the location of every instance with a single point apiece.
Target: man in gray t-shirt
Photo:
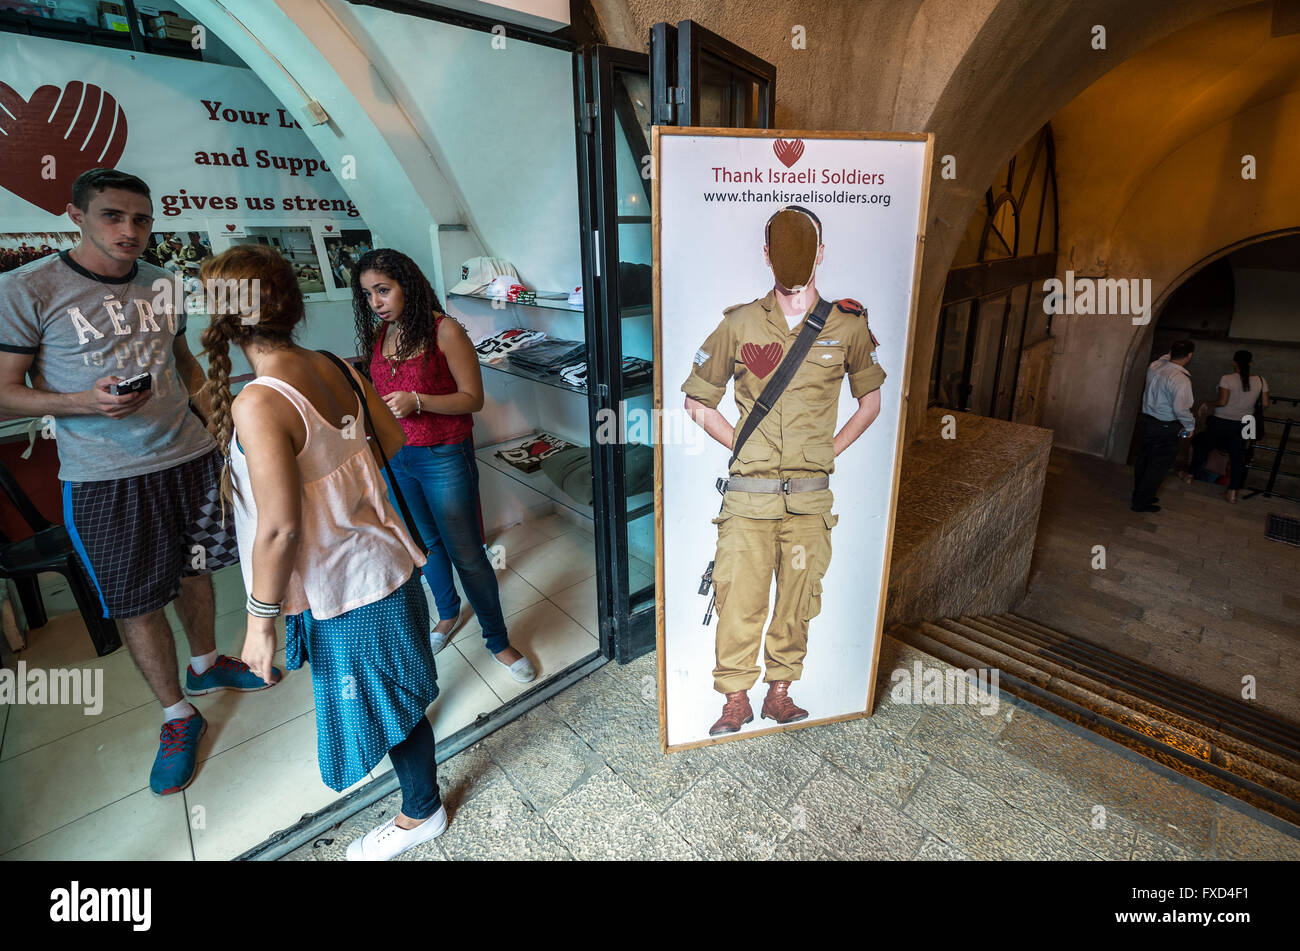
(81, 328)
(141, 502)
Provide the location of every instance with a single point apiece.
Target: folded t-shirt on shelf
(527, 456)
(575, 375)
(549, 356)
(637, 371)
(570, 470)
(494, 347)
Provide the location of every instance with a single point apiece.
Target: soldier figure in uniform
(776, 511)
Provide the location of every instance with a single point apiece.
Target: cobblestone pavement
(582, 777)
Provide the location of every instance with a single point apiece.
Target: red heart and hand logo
(230, 227)
(329, 227)
(761, 360)
(81, 127)
(788, 150)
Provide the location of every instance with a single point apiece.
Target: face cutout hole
(792, 241)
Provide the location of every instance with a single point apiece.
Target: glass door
(615, 123)
(720, 83)
(688, 72)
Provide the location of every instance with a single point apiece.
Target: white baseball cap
(477, 273)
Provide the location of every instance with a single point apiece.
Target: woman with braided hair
(425, 367)
(320, 543)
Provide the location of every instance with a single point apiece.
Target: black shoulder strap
(383, 456)
(784, 374)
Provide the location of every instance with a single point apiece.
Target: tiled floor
(76, 786)
(582, 777)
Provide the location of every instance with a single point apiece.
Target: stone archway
(982, 75)
(1130, 392)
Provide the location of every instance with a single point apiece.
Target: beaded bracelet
(261, 608)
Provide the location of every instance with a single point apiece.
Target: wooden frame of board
(658, 132)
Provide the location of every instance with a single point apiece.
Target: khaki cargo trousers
(797, 550)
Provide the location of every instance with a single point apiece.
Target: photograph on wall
(22, 247)
(297, 243)
(787, 267)
(343, 249)
(181, 253)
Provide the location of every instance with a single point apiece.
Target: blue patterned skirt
(373, 675)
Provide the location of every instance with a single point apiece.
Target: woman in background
(425, 367)
(1238, 393)
(319, 543)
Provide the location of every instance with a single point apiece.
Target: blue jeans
(440, 484)
(417, 771)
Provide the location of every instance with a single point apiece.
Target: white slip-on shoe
(439, 641)
(389, 840)
(522, 669)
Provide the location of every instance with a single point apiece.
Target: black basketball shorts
(137, 537)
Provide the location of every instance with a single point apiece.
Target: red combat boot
(736, 712)
(778, 706)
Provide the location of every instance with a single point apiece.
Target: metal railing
(1279, 451)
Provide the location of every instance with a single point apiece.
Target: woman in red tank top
(424, 366)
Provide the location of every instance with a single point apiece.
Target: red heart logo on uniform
(79, 127)
(761, 360)
(788, 150)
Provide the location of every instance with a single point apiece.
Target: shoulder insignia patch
(850, 305)
(728, 310)
(874, 341)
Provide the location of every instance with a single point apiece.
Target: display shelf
(560, 303)
(545, 303)
(553, 379)
(538, 482)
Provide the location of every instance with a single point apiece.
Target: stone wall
(967, 518)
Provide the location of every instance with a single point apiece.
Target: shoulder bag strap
(784, 374)
(383, 456)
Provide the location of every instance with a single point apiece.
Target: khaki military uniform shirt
(796, 439)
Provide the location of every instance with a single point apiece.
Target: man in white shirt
(1166, 417)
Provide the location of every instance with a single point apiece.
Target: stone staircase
(1224, 743)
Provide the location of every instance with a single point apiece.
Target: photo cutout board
(757, 236)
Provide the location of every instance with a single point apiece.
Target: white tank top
(354, 549)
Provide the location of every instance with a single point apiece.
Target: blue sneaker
(228, 673)
(177, 760)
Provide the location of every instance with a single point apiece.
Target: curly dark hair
(418, 322)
